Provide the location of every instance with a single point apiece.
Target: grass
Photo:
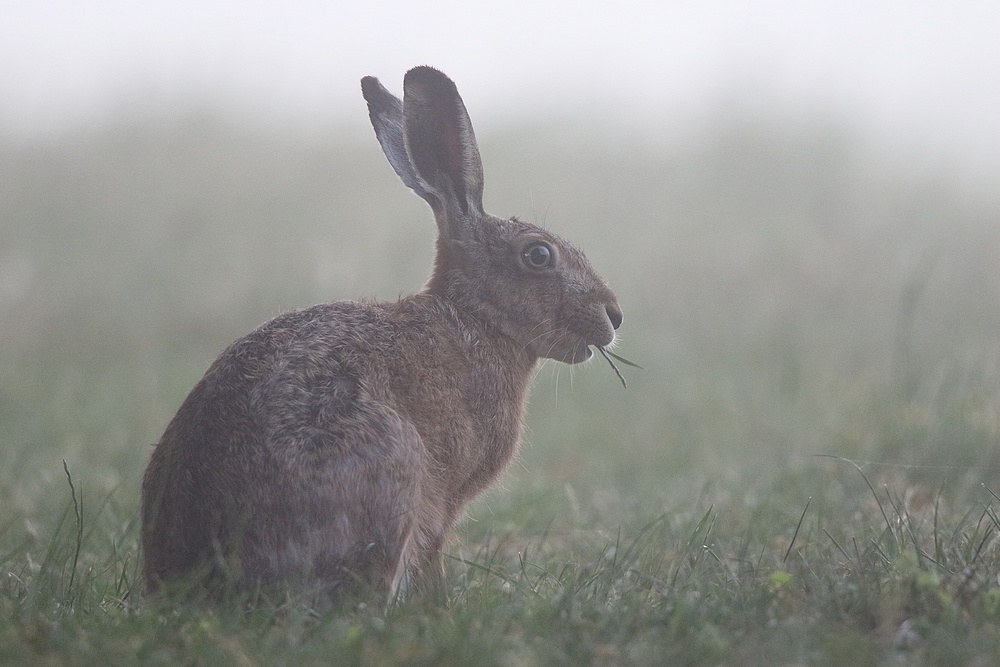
(805, 472)
(824, 565)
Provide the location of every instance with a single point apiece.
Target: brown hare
(332, 449)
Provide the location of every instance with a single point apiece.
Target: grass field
(806, 472)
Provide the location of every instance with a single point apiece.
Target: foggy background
(795, 202)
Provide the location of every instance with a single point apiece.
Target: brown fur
(334, 447)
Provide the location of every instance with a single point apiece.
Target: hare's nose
(615, 315)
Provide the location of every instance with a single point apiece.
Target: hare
(333, 448)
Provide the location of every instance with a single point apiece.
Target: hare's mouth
(572, 354)
(585, 353)
(571, 347)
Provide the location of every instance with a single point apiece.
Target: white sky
(926, 72)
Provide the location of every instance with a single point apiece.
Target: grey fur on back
(332, 448)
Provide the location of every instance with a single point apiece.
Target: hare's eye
(538, 255)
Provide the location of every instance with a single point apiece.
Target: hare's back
(302, 369)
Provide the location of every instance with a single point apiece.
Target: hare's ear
(442, 148)
(386, 113)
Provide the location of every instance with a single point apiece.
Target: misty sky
(924, 73)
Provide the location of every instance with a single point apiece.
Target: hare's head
(532, 285)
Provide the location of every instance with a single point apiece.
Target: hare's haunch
(333, 448)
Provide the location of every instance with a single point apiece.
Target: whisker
(539, 336)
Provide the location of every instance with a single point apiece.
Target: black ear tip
(425, 71)
(371, 88)
(430, 79)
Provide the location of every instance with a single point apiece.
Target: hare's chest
(470, 434)
(493, 436)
